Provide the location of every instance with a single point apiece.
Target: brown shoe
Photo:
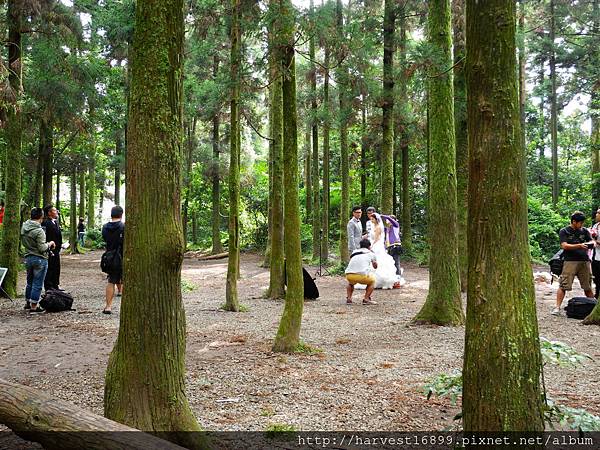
(348, 301)
(368, 301)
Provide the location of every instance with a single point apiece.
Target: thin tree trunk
(460, 127)
(387, 145)
(342, 81)
(91, 192)
(47, 148)
(316, 194)
(308, 171)
(217, 247)
(118, 162)
(363, 153)
(542, 125)
(145, 378)
(276, 263)
(404, 142)
(57, 203)
(594, 110)
(288, 333)
(82, 193)
(9, 251)
(231, 292)
(326, 159)
(443, 304)
(502, 363)
(73, 241)
(37, 179)
(553, 108)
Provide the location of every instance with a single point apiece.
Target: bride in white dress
(385, 274)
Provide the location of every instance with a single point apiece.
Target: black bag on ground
(556, 263)
(580, 307)
(55, 300)
(310, 288)
(111, 261)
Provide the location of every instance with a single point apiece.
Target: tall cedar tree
(502, 363)
(343, 86)
(443, 304)
(73, 241)
(217, 247)
(9, 254)
(276, 264)
(387, 145)
(231, 293)
(553, 106)
(595, 111)
(460, 127)
(316, 194)
(288, 334)
(145, 378)
(326, 159)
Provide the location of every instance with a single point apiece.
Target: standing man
(53, 233)
(36, 259)
(393, 244)
(355, 230)
(113, 233)
(595, 231)
(575, 242)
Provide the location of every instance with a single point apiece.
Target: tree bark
(460, 127)
(217, 247)
(145, 378)
(522, 71)
(9, 251)
(342, 81)
(277, 262)
(443, 304)
(363, 152)
(231, 292)
(56, 424)
(326, 159)
(502, 363)
(308, 183)
(73, 241)
(47, 149)
(82, 192)
(316, 194)
(288, 333)
(57, 203)
(595, 113)
(387, 145)
(91, 192)
(118, 166)
(553, 108)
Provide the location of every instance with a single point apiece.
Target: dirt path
(369, 376)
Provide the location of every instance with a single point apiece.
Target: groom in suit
(53, 233)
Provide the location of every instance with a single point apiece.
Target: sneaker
(368, 301)
(348, 301)
(27, 305)
(37, 310)
(556, 312)
(106, 311)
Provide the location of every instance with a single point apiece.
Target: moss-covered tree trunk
(326, 159)
(57, 201)
(553, 107)
(342, 82)
(118, 168)
(217, 247)
(404, 138)
(315, 162)
(501, 390)
(73, 241)
(82, 192)
(288, 333)
(308, 181)
(9, 251)
(91, 192)
(363, 150)
(276, 263)
(387, 144)
(47, 150)
(231, 292)
(460, 127)
(443, 304)
(145, 378)
(594, 110)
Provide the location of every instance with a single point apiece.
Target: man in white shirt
(359, 271)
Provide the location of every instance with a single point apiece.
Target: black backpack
(111, 261)
(556, 264)
(55, 300)
(580, 307)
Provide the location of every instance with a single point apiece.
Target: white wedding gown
(385, 274)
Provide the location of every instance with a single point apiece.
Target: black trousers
(395, 251)
(52, 280)
(596, 274)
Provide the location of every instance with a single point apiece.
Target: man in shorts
(113, 233)
(575, 242)
(359, 271)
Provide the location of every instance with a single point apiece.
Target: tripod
(5, 294)
(322, 271)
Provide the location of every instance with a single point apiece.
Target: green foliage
(544, 225)
(307, 349)
(188, 286)
(445, 385)
(561, 354)
(571, 418)
(93, 239)
(242, 308)
(279, 430)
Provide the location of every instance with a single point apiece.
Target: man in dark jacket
(113, 233)
(53, 233)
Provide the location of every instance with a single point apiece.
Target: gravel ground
(369, 375)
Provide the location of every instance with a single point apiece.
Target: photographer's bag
(580, 307)
(556, 264)
(55, 300)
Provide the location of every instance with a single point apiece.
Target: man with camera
(575, 242)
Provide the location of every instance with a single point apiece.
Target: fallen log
(56, 424)
(216, 256)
